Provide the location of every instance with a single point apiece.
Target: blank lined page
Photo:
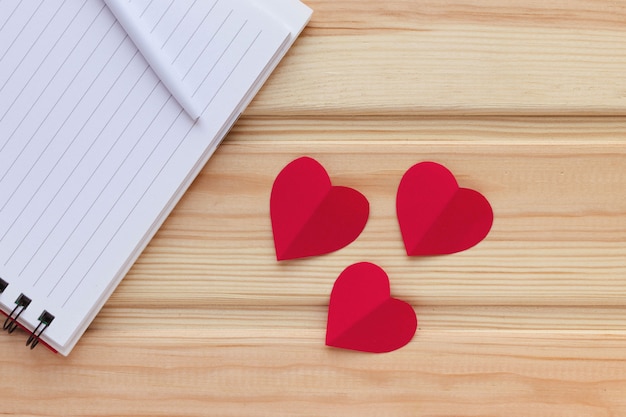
(94, 150)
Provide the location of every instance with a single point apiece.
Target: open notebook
(96, 148)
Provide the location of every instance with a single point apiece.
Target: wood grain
(468, 57)
(230, 374)
(523, 101)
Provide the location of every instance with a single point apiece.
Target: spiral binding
(10, 324)
(22, 302)
(44, 321)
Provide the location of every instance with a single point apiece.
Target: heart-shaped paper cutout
(363, 316)
(309, 215)
(436, 216)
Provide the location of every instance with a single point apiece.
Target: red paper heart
(436, 216)
(363, 316)
(309, 215)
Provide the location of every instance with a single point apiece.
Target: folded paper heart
(309, 215)
(437, 217)
(363, 316)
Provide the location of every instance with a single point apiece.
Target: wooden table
(522, 100)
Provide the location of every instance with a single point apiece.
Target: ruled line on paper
(17, 5)
(69, 116)
(29, 111)
(232, 71)
(180, 21)
(30, 48)
(79, 163)
(139, 170)
(131, 212)
(52, 48)
(139, 108)
(146, 8)
(31, 199)
(77, 104)
(209, 43)
(20, 32)
(105, 162)
(147, 128)
(220, 59)
(200, 53)
(206, 16)
(162, 16)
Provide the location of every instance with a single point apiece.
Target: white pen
(143, 40)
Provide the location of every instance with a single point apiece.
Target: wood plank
(340, 17)
(438, 374)
(468, 57)
(557, 238)
(250, 317)
(423, 130)
(523, 100)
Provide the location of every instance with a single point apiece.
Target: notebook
(108, 111)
